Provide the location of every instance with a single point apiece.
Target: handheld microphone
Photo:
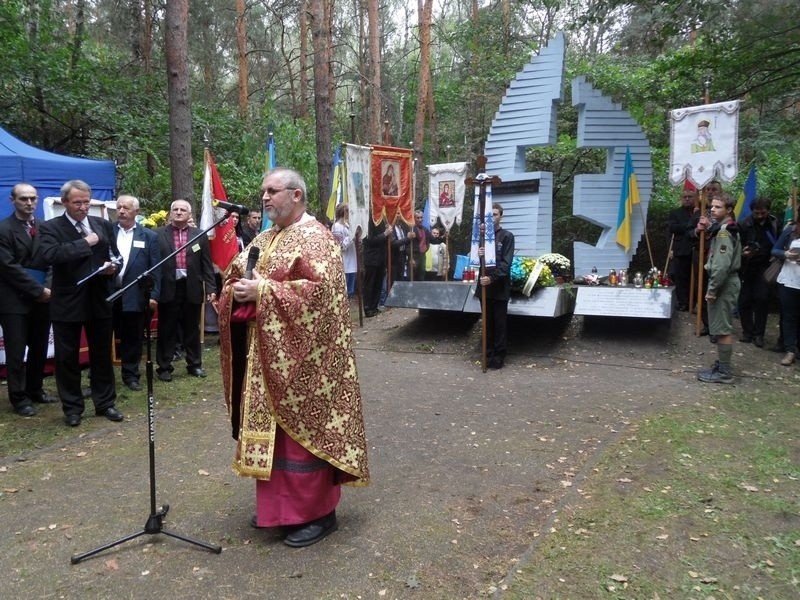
(230, 207)
(252, 259)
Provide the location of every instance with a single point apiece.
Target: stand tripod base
(153, 526)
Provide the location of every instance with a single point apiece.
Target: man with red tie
(24, 304)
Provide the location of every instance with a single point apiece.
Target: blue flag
(748, 194)
(271, 164)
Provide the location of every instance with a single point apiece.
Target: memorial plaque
(652, 303)
(431, 295)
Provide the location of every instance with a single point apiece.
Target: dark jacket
(681, 223)
(760, 238)
(199, 269)
(73, 259)
(375, 245)
(21, 278)
(145, 253)
(500, 288)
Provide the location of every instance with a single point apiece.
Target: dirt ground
(467, 468)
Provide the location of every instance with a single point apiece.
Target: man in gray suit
(140, 252)
(24, 304)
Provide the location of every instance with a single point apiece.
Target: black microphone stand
(155, 522)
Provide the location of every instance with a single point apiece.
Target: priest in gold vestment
(289, 371)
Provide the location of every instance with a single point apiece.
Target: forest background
(150, 83)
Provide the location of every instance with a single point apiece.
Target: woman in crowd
(787, 248)
(341, 231)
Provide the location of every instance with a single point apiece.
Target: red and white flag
(222, 238)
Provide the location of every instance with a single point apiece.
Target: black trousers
(754, 302)
(496, 329)
(68, 369)
(373, 280)
(24, 377)
(172, 316)
(682, 274)
(129, 331)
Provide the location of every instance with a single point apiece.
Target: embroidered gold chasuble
(301, 371)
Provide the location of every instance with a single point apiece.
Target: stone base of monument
(624, 301)
(460, 297)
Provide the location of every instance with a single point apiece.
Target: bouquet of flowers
(558, 263)
(157, 219)
(521, 269)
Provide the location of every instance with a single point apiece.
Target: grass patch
(702, 502)
(19, 435)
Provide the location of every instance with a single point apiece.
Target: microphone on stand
(252, 259)
(230, 207)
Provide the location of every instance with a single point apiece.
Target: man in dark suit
(182, 291)
(24, 308)
(139, 249)
(77, 245)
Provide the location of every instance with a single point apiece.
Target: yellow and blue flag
(747, 195)
(337, 187)
(628, 197)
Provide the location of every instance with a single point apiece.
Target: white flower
(559, 262)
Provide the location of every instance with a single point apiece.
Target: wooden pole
(698, 322)
(669, 253)
(360, 276)
(647, 236)
(701, 253)
(482, 180)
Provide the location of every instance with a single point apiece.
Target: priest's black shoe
(195, 371)
(112, 414)
(133, 385)
(72, 420)
(25, 411)
(312, 532)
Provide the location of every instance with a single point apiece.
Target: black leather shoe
(758, 340)
(44, 398)
(72, 420)
(112, 414)
(746, 339)
(165, 376)
(25, 411)
(704, 331)
(133, 385)
(254, 523)
(196, 371)
(312, 532)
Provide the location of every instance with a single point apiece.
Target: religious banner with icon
(446, 189)
(704, 143)
(357, 180)
(392, 189)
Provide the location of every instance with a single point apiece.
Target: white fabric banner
(704, 143)
(357, 176)
(489, 254)
(446, 190)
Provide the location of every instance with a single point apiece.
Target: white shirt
(341, 232)
(124, 245)
(790, 272)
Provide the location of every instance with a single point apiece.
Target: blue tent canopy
(47, 172)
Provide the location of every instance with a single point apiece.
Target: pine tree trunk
(180, 115)
(241, 46)
(321, 43)
(374, 133)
